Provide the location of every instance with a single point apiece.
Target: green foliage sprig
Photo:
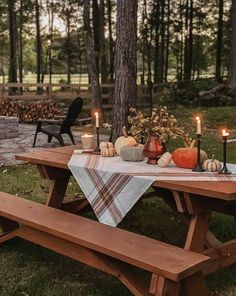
(161, 122)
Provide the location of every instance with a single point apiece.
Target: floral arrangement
(161, 122)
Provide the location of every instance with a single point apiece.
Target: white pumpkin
(105, 144)
(108, 152)
(134, 153)
(124, 140)
(165, 159)
(212, 165)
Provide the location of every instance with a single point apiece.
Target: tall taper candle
(97, 119)
(199, 128)
(225, 170)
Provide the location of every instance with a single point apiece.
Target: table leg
(197, 233)
(195, 285)
(57, 193)
(59, 181)
(167, 287)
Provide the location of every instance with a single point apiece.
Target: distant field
(83, 78)
(75, 78)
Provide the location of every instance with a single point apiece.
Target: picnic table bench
(106, 248)
(194, 201)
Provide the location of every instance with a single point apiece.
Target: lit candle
(97, 119)
(225, 170)
(225, 133)
(199, 128)
(87, 141)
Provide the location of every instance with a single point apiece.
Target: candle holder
(198, 168)
(97, 149)
(224, 170)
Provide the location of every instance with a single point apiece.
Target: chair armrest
(59, 117)
(50, 121)
(81, 120)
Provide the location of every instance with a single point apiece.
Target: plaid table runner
(112, 186)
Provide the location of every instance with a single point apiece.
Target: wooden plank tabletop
(59, 157)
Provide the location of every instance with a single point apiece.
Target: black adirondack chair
(55, 128)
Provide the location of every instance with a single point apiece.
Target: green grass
(27, 269)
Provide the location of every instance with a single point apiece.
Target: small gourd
(106, 144)
(134, 153)
(212, 165)
(165, 159)
(108, 151)
(124, 140)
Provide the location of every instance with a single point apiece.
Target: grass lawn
(27, 269)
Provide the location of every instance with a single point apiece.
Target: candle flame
(225, 133)
(96, 114)
(197, 118)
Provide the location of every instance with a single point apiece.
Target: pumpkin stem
(213, 157)
(124, 133)
(192, 144)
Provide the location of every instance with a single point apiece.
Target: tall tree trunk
(219, 41)
(167, 41)
(21, 43)
(162, 45)
(38, 44)
(146, 42)
(91, 61)
(68, 37)
(12, 43)
(102, 44)
(186, 41)
(110, 41)
(181, 60)
(50, 9)
(188, 49)
(125, 64)
(96, 32)
(232, 58)
(157, 42)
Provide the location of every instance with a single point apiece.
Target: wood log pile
(220, 95)
(29, 112)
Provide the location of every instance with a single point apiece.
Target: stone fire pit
(9, 127)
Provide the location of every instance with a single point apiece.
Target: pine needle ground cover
(27, 269)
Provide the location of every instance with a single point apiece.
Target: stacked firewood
(220, 95)
(30, 111)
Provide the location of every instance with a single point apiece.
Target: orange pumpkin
(186, 157)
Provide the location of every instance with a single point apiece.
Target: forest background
(177, 40)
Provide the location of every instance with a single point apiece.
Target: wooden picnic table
(194, 201)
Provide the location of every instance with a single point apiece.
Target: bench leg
(166, 287)
(7, 229)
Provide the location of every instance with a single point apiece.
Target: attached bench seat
(109, 249)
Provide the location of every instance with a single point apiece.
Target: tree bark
(219, 42)
(21, 43)
(96, 32)
(68, 37)
(125, 64)
(232, 59)
(161, 63)
(103, 55)
(110, 41)
(91, 61)
(38, 43)
(157, 41)
(12, 43)
(167, 41)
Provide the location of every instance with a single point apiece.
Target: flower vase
(153, 148)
